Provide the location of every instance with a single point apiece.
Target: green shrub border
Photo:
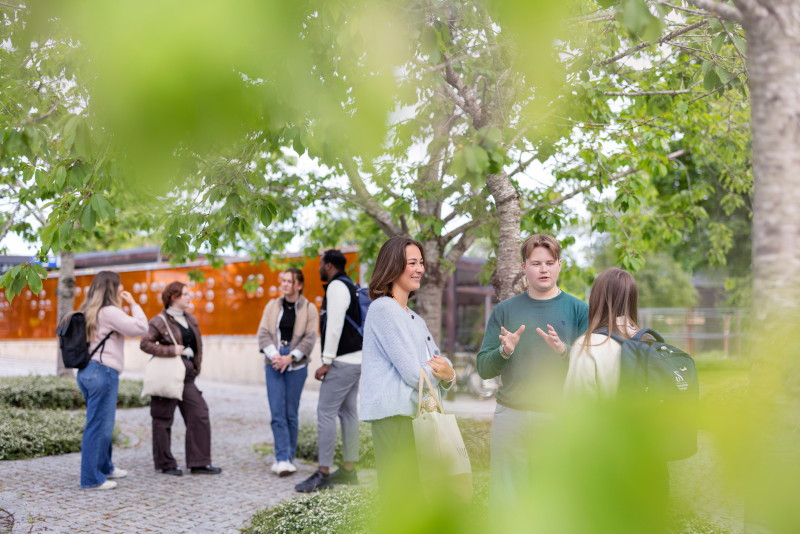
(55, 393)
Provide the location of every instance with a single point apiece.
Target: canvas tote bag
(163, 377)
(440, 447)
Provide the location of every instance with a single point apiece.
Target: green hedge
(34, 433)
(347, 510)
(55, 393)
(352, 511)
(475, 434)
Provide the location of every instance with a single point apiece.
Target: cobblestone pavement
(43, 494)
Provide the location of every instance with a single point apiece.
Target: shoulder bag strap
(169, 330)
(425, 379)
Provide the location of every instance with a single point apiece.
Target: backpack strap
(616, 337)
(101, 346)
(644, 331)
(352, 285)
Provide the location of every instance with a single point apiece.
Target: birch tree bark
(66, 301)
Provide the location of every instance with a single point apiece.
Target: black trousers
(198, 424)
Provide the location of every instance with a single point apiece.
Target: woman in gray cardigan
(397, 343)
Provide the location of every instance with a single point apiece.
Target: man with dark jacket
(340, 373)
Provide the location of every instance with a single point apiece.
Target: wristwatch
(505, 354)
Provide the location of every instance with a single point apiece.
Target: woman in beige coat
(286, 337)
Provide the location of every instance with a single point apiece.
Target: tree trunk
(773, 42)
(429, 296)
(66, 300)
(773, 49)
(507, 273)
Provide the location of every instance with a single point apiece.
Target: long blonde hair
(103, 292)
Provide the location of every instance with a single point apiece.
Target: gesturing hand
(552, 339)
(127, 297)
(509, 340)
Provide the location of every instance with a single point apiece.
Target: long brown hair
(614, 294)
(390, 264)
(104, 291)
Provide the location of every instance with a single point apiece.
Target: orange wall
(220, 304)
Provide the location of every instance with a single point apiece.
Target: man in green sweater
(526, 343)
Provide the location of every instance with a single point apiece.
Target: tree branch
(10, 223)
(522, 166)
(371, 207)
(471, 106)
(449, 236)
(650, 93)
(645, 44)
(461, 246)
(718, 9)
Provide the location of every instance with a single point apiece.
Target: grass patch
(35, 433)
(55, 393)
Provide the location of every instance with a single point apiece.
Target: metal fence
(698, 330)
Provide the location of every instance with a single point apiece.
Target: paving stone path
(43, 494)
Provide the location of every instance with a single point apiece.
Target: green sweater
(533, 377)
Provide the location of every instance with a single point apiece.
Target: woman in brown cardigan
(174, 334)
(286, 337)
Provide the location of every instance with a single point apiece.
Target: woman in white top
(593, 375)
(594, 361)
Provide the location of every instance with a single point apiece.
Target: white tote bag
(164, 376)
(440, 447)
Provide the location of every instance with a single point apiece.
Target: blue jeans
(283, 394)
(99, 385)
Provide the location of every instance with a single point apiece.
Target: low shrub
(307, 445)
(352, 510)
(34, 433)
(346, 510)
(475, 433)
(55, 393)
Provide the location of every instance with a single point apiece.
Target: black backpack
(72, 342)
(664, 379)
(362, 296)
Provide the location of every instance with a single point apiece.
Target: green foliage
(346, 510)
(307, 445)
(34, 433)
(661, 280)
(354, 510)
(54, 393)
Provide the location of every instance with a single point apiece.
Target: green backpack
(663, 378)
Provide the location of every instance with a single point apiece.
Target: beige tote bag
(163, 377)
(440, 447)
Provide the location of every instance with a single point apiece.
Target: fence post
(726, 334)
(689, 336)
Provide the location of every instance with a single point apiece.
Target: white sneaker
(107, 485)
(117, 473)
(286, 468)
(275, 466)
